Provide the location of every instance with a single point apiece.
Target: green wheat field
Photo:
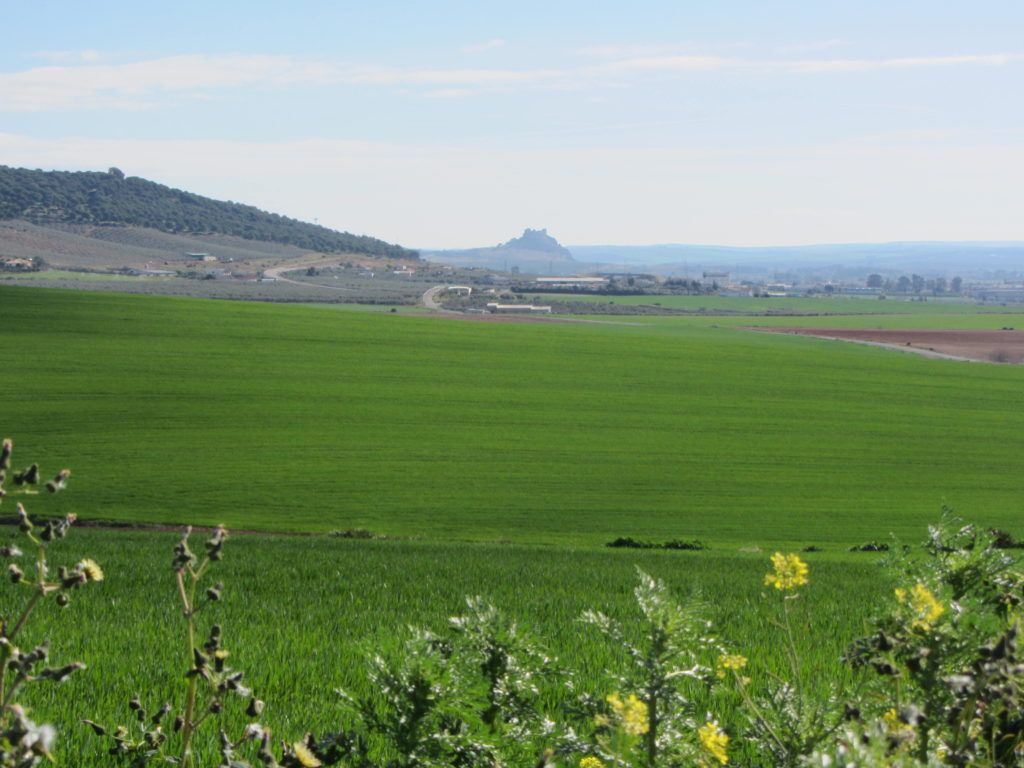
(496, 459)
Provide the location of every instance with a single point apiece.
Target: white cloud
(490, 45)
(669, 64)
(389, 75)
(139, 84)
(147, 84)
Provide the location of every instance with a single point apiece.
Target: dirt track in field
(1005, 346)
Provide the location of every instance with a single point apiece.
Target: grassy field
(220, 288)
(502, 456)
(63, 274)
(293, 418)
(301, 614)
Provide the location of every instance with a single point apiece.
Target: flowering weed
(23, 743)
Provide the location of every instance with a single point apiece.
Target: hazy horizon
(747, 247)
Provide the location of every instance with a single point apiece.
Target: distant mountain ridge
(112, 199)
(927, 257)
(539, 253)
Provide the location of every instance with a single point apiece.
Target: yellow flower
(91, 569)
(898, 731)
(729, 661)
(893, 724)
(591, 762)
(790, 571)
(714, 741)
(305, 757)
(925, 608)
(632, 713)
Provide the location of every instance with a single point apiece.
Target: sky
(456, 124)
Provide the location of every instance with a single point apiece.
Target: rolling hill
(97, 205)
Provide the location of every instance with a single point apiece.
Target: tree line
(916, 284)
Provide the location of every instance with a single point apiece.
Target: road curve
(277, 273)
(430, 301)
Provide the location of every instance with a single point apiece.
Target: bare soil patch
(1002, 346)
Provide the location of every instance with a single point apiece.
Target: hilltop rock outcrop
(536, 240)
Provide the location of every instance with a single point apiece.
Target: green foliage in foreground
(300, 615)
(293, 418)
(934, 681)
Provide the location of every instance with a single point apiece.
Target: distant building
(200, 257)
(1008, 294)
(570, 282)
(15, 264)
(516, 309)
(460, 290)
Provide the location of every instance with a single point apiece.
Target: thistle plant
(945, 653)
(418, 714)
(470, 696)
(869, 745)
(665, 671)
(22, 742)
(512, 666)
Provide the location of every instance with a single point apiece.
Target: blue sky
(458, 124)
